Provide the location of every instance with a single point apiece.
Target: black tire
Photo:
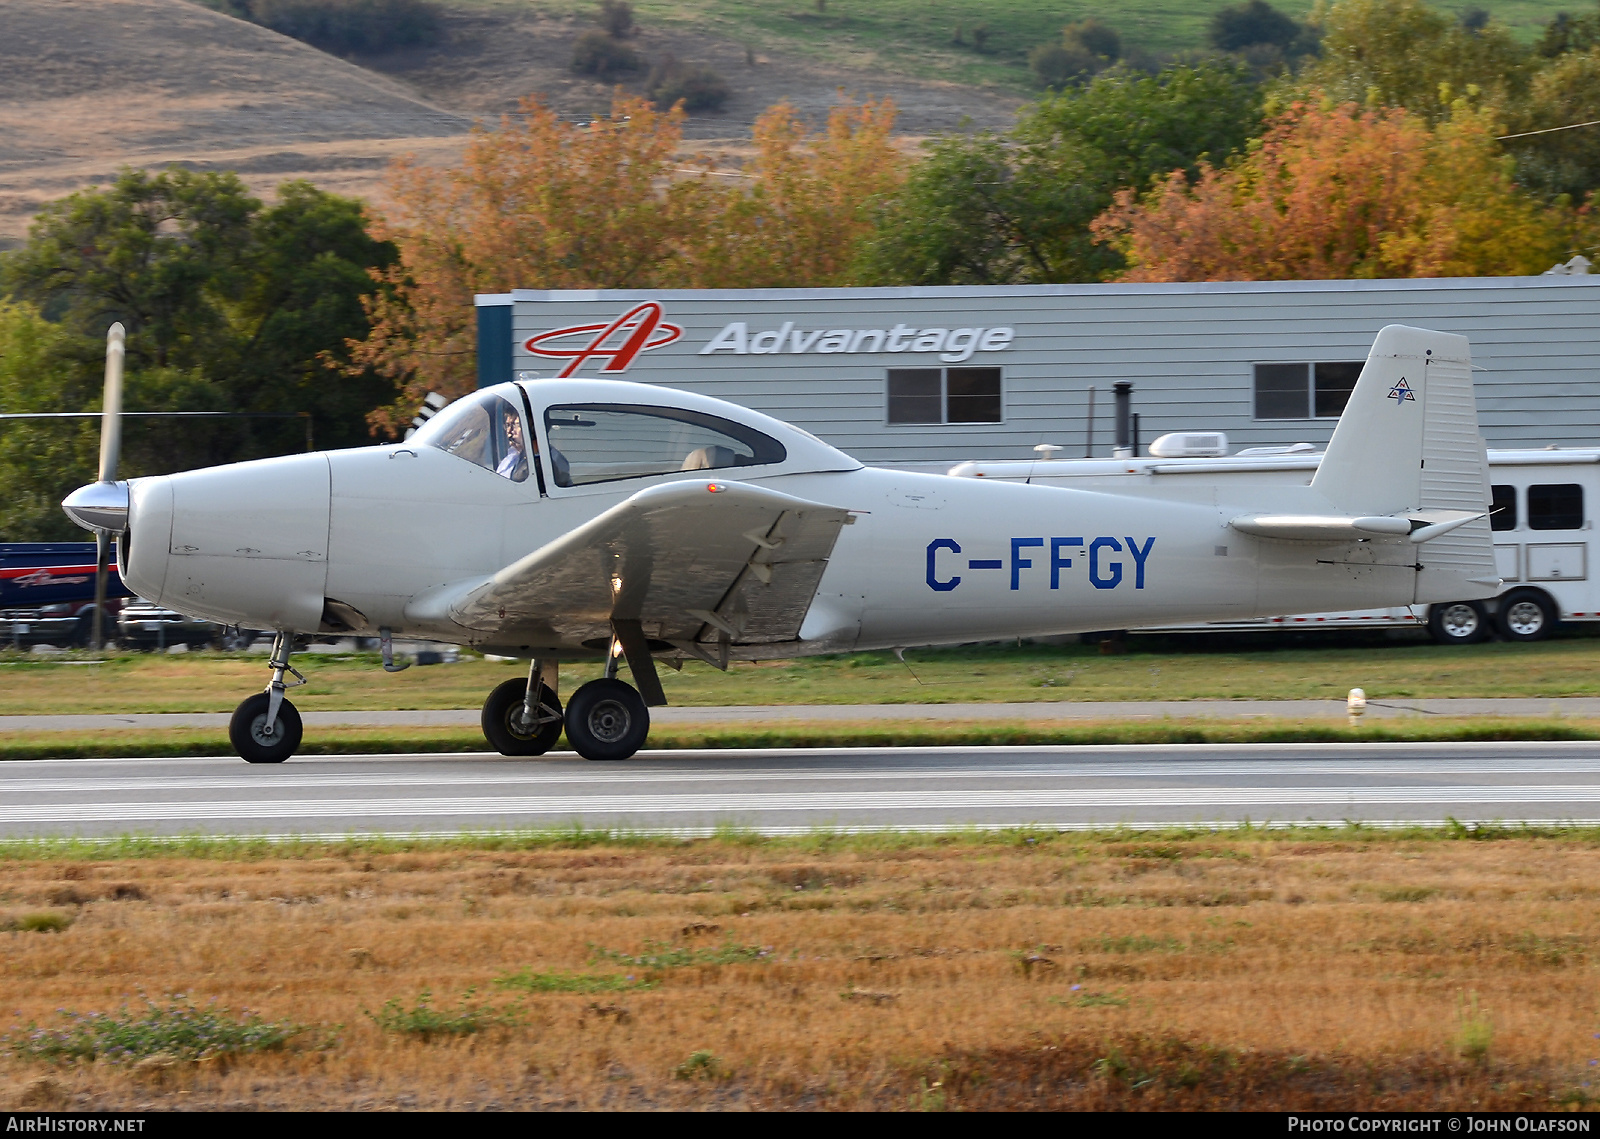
(502, 720)
(1526, 615)
(1458, 622)
(607, 719)
(245, 731)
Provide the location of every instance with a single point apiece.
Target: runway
(784, 791)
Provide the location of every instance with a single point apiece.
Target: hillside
(917, 38)
(87, 86)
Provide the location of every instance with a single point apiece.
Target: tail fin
(1408, 441)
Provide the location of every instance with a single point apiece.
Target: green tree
(230, 306)
(1557, 154)
(39, 461)
(1402, 53)
(1570, 33)
(1017, 208)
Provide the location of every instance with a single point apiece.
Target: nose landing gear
(266, 728)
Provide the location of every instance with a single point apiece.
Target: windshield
(483, 429)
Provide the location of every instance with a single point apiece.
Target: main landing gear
(606, 719)
(266, 728)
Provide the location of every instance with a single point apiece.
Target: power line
(1549, 130)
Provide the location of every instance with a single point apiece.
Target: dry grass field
(1302, 970)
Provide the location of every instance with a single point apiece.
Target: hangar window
(944, 395)
(591, 442)
(1555, 506)
(1305, 391)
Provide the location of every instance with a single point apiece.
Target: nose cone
(99, 506)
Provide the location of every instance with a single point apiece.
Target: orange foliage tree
(1337, 192)
(799, 218)
(541, 203)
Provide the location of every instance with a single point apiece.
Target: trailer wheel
(1458, 623)
(1526, 615)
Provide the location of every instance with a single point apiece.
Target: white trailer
(1542, 529)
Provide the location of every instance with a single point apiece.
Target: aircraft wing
(693, 561)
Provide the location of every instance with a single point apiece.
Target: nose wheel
(266, 728)
(607, 719)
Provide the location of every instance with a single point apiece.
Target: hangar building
(931, 376)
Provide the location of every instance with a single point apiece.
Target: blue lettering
(933, 575)
(1019, 563)
(1138, 560)
(1059, 563)
(984, 563)
(1113, 576)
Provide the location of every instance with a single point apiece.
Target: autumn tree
(797, 220)
(546, 204)
(1340, 192)
(537, 203)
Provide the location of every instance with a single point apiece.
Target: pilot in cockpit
(514, 459)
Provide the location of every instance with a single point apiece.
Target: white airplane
(593, 519)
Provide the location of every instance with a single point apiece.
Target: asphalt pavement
(789, 790)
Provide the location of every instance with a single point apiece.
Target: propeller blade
(111, 408)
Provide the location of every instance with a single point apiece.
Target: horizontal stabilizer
(1336, 529)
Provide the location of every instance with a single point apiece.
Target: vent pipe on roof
(1122, 391)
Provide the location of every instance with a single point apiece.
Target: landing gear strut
(266, 728)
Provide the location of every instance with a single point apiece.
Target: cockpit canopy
(598, 431)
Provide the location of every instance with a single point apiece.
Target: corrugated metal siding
(1188, 349)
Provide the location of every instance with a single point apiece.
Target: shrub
(1093, 37)
(598, 54)
(557, 982)
(701, 1065)
(659, 955)
(696, 85)
(1244, 25)
(616, 17)
(344, 27)
(1055, 66)
(425, 1021)
(177, 1029)
(46, 921)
